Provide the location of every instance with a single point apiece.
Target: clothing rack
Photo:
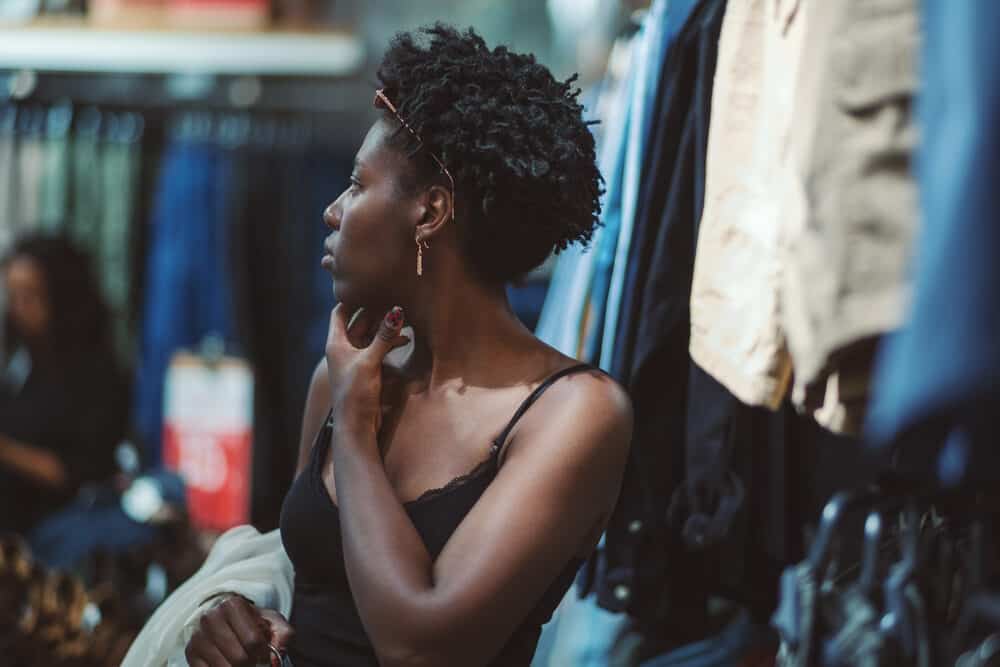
(272, 71)
(906, 585)
(79, 48)
(337, 102)
(244, 185)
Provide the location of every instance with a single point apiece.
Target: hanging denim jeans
(187, 293)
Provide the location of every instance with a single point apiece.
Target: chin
(343, 293)
(370, 293)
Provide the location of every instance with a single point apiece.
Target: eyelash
(355, 184)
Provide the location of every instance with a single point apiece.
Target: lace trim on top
(489, 462)
(492, 461)
(319, 453)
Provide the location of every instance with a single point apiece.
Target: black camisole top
(328, 629)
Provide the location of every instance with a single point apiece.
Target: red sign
(208, 436)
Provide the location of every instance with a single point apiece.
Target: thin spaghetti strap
(322, 440)
(498, 443)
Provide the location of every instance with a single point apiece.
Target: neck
(459, 324)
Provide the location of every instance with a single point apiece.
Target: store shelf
(85, 49)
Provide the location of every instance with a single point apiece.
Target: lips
(327, 261)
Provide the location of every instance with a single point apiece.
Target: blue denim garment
(583, 634)
(570, 289)
(322, 168)
(612, 165)
(941, 372)
(723, 650)
(527, 300)
(95, 521)
(187, 293)
(663, 585)
(671, 102)
(584, 631)
(664, 23)
(282, 296)
(562, 312)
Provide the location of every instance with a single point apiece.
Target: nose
(331, 216)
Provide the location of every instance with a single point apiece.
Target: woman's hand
(354, 364)
(35, 463)
(235, 633)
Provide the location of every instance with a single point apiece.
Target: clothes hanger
(8, 118)
(88, 122)
(58, 120)
(868, 580)
(30, 122)
(794, 621)
(127, 128)
(901, 623)
(834, 514)
(980, 605)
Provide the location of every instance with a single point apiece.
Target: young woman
(63, 399)
(444, 504)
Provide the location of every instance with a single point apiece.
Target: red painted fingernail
(395, 318)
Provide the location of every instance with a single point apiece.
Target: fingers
(357, 331)
(201, 652)
(338, 325)
(360, 328)
(280, 631)
(248, 625)
(388, 337)
(231, 634)
(207, 655)
(391, 325)
(220, 641)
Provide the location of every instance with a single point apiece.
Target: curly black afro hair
(81, 321)
(513, 138)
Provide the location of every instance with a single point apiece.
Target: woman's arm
(559, 481)
(315, 412)
(35, 463)
(558, 484)
(82, 442)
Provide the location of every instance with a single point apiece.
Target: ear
(437, 212)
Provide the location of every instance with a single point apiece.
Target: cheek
(42, 314)
(30, 314)
(372, 251)
(37, 312)
(373, 230)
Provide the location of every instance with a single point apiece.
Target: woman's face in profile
(27, 298)
(371, 250)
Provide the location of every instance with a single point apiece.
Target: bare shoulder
(570, 450)
(593, 400)
(590, 394)
(584, 414)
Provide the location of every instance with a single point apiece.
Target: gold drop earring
(420, 255)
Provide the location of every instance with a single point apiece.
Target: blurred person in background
(444, 500)
(63, 398)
